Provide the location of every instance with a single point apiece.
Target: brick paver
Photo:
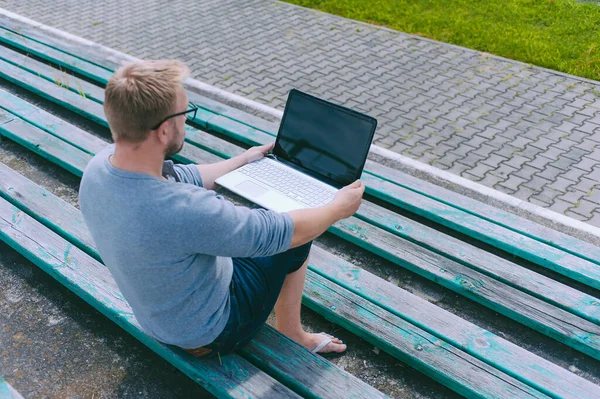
(522, 130)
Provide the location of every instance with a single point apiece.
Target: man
(198, 272)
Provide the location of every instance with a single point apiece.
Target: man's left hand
(256, 153)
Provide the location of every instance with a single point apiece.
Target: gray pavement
(522, 130)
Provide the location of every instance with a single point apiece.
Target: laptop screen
(326, 140)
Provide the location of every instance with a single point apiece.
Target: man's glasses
(190, 114)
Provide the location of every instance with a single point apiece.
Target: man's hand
(348, 199)
(256, 153)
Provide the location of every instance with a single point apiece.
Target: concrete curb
(456, 183)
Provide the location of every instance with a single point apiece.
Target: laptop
(320, 148)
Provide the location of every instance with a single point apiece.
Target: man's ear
(162, 134)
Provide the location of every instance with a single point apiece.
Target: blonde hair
(140, 94)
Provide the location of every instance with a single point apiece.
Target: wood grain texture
(528, 281)
(494, 350)
(61, 77)
(46, 121)
(519, 306)
(260, 128)
(91, 281)
(425, 352)
(515, 243)
(449, 365)
(64, 219)
(58, 57)
(550, 320)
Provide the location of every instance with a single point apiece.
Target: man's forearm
(211, 172)
(311, 223)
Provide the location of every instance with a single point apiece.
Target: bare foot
(311, 341)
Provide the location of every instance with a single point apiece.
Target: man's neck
(135, 158)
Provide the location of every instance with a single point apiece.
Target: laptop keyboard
(288, 183)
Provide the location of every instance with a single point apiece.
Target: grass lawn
(563, 35)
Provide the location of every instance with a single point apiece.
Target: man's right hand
(348, 199)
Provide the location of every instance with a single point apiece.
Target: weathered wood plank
(533, 283)
(50, 91)
(46, 121)
(513, 222)
(494, 350)
(42, 205)
(441, 361)
(519, 306)
(65, 60)
(45, 145)
(537, 252)
(552, 321)
(92, 282)
(447, 364)
(311, 376)
(59, 77)
(7, 391)
(239, 119)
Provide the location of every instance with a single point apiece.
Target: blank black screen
(324, 138)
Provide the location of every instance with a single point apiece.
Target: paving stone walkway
(525, 131)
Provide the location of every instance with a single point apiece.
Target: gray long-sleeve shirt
(169, 246)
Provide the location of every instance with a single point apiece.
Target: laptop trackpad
(252, 189)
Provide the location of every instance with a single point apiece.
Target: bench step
(513, 359)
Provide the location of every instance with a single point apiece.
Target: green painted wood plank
(537, 314)
(46, 121)
(440, 360)
(63, 59)
(542, 254)
(486, 346)
(550, 320)
(50, 91)
(526, 280)
(7, 391)
(239, 119)
(22, 199)
(508, 220)
(59, 77)
(87, 54)
(45, 145)
(436, 358)
(92, 282)
(515, 361)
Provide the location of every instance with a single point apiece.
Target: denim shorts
(255, 287)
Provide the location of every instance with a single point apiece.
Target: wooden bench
(461, 355)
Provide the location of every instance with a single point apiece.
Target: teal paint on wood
(558, 324)
(46, 145)
(97, 284)
(411, 344)
(50, 91)
(542, 254)
(472, 289)
(58, 57)
(7, 391)
(57, 127)
(61, 78)
(508, 220)
(562, 241)
(92, 282)
(486, 346)
(533, 283)
(71, 229)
